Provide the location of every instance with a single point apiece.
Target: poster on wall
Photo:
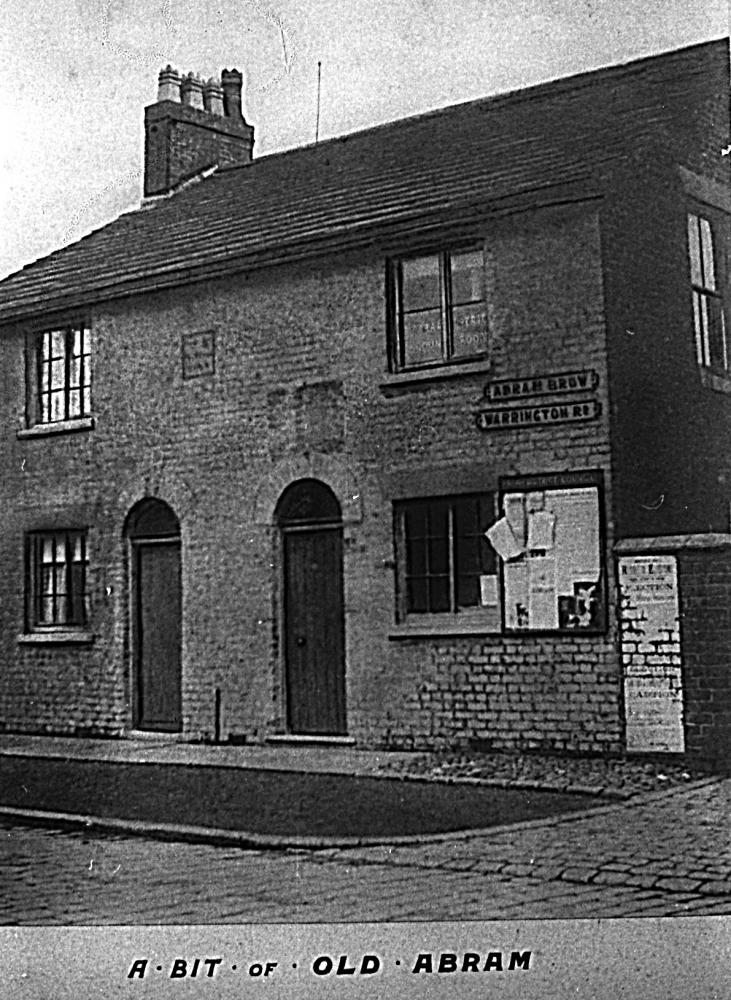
(651, 654)
(549, 543)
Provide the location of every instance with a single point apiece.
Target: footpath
(649, 840)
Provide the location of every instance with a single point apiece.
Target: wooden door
(314, 630)
(158, 635)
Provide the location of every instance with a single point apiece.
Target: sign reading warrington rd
(540, 415)
(542, 385)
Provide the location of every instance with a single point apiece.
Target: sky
(78, 74)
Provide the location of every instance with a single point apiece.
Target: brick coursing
(300, 361)
(705, 607)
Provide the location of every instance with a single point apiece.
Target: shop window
(708, 279)
(549, 544)
(59, 383)
(446, 565)
(438, 311)
(57, 570)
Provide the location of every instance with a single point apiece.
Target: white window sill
(419, 377)
(58, 427)
(59, 638)
(433, 627)
(719, 383)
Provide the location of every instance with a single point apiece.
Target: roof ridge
(549, 88)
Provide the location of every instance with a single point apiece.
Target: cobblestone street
(667, 854)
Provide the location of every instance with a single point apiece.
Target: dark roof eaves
(350, 238)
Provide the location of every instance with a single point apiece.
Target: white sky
(78, 73)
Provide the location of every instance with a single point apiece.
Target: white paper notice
(488, 591)
(652, 654)
(514, 507)
(515, 577)
(501, 537)
(541, 530)
(542, 603)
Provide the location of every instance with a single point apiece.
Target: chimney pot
(213, 96)
(191, 91)
(232, 83)
(168, 85)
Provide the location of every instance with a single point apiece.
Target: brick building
(415, 437)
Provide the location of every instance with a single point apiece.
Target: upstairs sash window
(60, 388)
(707, 275)
(439, 311)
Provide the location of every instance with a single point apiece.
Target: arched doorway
(309, 519)
(153, 531)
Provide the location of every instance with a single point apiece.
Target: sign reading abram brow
(542, 385)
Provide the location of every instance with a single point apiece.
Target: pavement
(656, 853)
(274, 796)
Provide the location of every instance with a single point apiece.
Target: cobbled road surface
(666, 854)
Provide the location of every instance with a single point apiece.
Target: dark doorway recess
(309, 518)
(153, 531)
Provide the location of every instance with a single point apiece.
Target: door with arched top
(153, 531)
(309, 519)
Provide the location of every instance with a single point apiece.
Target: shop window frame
(455, 615)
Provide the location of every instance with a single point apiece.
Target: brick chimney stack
(192, 126)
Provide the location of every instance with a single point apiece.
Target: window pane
(473, 554)
(421, 283)
(467, 277)
(415, 556)
(58, 374)
(439, 554)
(422, 334)
(709, 270)
(469, 330)
(87, 399)
(77, 611)
(77, 346)
(698, 327)
(58, 343)
(694, 251)
(716, 333)
(74, 373)
(57, 406)
(416, 596)
(704, 328)
(74, 403)
(439, 594)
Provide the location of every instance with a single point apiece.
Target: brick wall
(298, 392)
(705, 602)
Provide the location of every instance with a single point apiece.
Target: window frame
(702, 291)
(73, 588)
(39, 354)
(394, 300)
(455, 615)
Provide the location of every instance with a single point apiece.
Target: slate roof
(375, 184)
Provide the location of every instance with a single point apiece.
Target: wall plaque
(538, 415)
(199, 354)
(542, 385)
(651, 654)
